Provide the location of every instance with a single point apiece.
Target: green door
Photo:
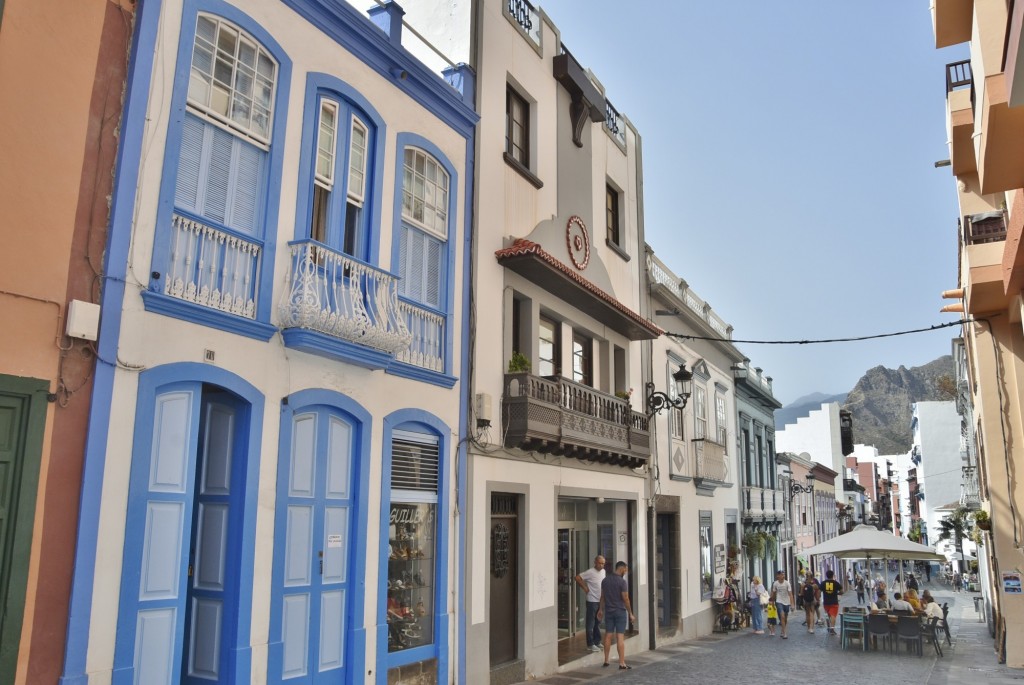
(22, 420)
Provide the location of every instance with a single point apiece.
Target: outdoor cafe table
(894, 619)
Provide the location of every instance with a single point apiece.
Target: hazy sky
(789, 151)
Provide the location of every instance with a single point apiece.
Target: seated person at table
(900, 604)
(880, 604)
(911, 598)
(931, 607)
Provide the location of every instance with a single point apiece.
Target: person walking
(782, 597)
(772, 610)
(859, 586)
(810, 594)
(615, 608)
(830, 591)
(757, 590)
(590, 581)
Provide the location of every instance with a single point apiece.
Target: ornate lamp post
(657, 400)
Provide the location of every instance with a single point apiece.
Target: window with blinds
(415, 464)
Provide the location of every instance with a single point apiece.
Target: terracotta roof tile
(522, 247)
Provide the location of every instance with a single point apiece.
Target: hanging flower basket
(753, 544)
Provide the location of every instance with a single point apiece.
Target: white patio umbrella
(867, 542)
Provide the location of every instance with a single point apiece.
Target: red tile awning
(529, 260)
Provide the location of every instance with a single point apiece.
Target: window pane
(425, 192)
(223, 79)
(412, 549)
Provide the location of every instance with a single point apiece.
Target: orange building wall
(62, 67)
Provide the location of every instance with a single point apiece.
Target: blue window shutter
(421, 263)
(432, 272)
(218, 175)
(190, 158)
(244, 203)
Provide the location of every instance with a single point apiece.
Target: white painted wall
(149, 340)
(818, 435)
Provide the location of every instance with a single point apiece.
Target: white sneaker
(811, 631)
(594, 648)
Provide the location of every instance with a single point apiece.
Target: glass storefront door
(573, 558)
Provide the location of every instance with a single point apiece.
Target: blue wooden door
(315, 496)
(178, 606)
(208, 606)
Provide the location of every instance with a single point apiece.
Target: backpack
(807, 593)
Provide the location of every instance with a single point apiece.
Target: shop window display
(411, 547)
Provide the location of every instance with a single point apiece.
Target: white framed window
(326, 134)
(232, 78)
(425, 192)
(423, 247)
(333, 222)
(720, 421)
(357, 162)
(677, 423)
(700, 412)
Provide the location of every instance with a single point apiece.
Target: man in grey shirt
(615, 608)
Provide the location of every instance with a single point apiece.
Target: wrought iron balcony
(556, 415)
(343, 299)
(213, 268)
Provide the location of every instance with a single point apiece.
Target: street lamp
(797, 488)
(657, 400)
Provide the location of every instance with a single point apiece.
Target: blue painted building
(269, 490)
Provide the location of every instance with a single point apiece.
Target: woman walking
(757, 590)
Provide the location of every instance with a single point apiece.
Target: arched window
(424, 235)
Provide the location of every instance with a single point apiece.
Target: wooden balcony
(557, 416)
(711, 465)
(960, 116)
(983, 237)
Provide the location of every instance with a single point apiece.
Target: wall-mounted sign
(719, 558)
(1011, 584)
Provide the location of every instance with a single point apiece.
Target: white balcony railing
(335, 294)
(712, 463)
(213, 268)
(427, 330)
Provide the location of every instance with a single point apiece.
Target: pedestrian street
(742, 657)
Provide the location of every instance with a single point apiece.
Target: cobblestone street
(747, 658)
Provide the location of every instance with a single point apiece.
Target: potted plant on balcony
(624, 394)
(982, 520)
(519, 363)
(770, 543)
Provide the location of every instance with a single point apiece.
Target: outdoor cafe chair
(908, 629)
(945, 622)
(930, 632)
(878, 627)
(852, 625)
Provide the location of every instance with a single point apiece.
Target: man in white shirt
(782, 595)
(590, 582)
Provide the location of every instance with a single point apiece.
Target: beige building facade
(985, 123)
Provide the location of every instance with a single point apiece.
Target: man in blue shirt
(616, 609)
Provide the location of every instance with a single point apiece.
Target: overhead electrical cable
(936, 327)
